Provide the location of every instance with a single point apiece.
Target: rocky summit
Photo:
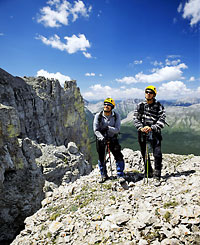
(86, 212)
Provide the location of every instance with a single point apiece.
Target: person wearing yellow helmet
(110, 101)
(149, 119)
(106, 126)
(151, 88)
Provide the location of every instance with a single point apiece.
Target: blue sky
(112, 48)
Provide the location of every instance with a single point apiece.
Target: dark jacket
(152, 115)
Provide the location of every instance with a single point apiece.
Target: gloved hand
(104, 130)
(102, 140)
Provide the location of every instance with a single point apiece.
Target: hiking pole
(109, 157)
(147, 162)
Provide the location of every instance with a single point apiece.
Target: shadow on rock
(178, 174)
(133, 177)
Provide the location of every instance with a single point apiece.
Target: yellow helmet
(152, 88)
(110, 101)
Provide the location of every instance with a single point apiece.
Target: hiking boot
(157, 181)
(103, 178)
(121, 179)
(157, 175)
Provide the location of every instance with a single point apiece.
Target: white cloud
(167, 73)
(192, 79)
(75, 43)
(79, 8)
(72, 45)
(62, 78)
(57, 12)
(98, 92)
(156, 63)
(180, 7)
(87, 55)
(137, 62)
(1, 34)
(172, 62)
(89, 74)
(174, 90)
(127, 80)
(191, 11)
(173, 56)
(170, 90)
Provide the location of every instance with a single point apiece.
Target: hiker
(106, 127)
(149, 119)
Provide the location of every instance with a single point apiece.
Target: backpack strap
(141, 107)
(101, 115)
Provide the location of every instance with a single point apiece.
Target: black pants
(114, 146)
(155, 145)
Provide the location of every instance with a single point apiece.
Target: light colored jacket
(113, 123)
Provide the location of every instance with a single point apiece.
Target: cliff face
(21, 181)
(36, 117)
(47, 112)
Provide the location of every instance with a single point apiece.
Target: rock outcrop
(62, 164)
(21, 180)
(47, 112)
(87, 212)
(37, 116)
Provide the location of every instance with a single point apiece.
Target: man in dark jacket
(106, 127)
(149, 119)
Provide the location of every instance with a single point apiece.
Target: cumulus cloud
(169, 90)
(58, 12)
(89, 74)
(62, 78)
(97, 92)
(191, 11)
(174, 90)
(167, 73)
(79, 8)
(72, 45)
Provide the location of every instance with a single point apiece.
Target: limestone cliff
(47, 112)
(21, 181)
(36, 117)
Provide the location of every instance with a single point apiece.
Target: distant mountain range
(181, 114)
(182, 136)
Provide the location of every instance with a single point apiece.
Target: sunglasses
(148, 92)
(106, 104)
